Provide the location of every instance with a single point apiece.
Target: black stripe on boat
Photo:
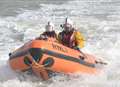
(73, 59)
(37, 53)
(18, 54)
(34, 52)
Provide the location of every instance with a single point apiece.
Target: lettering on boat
(57, 47)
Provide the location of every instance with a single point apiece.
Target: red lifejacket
(66, 38)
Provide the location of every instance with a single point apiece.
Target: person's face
(67, 27)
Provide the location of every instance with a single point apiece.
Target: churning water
(98, 20)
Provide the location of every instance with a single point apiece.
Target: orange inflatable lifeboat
(43, 56)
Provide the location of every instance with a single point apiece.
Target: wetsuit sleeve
(79, 39)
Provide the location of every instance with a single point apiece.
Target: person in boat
(49, 32)
(71, 37)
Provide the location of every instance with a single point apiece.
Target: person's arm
(59, 38)
(79, 39)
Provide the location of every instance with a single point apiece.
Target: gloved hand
(77, 48)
